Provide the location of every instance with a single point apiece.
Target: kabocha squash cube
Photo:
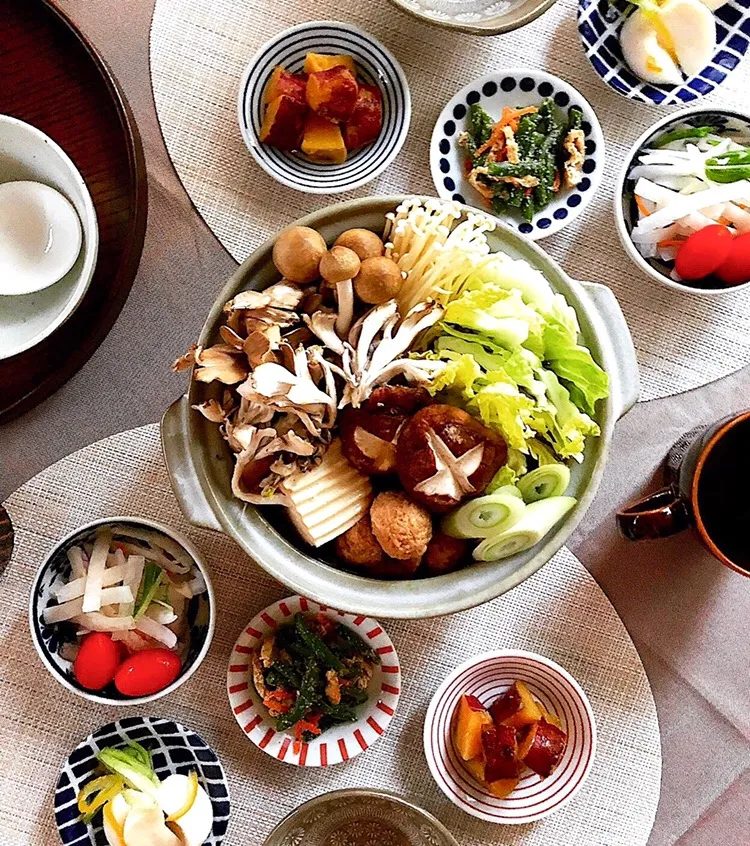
(503, 787)
(499, 747)
(315, 62)
(322, 140)
(283, 123)
(332, 93)
(282, 82)
(364, 126)
(467, 735)
(516, 707)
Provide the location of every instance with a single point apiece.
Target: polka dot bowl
(487, 677)
(520, 88)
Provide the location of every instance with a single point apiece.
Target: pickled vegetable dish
(411, 401)
(519, 162)
(125, 606)
(313, 674)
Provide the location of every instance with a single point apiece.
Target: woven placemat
(199, 49)
(560, 612)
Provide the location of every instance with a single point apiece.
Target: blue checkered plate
(375, 64)
(599, 24)
(174, 749)
(518, 87)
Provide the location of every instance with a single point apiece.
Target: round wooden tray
(53, 78)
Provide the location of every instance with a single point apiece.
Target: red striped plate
(339, 743)
(486, 677)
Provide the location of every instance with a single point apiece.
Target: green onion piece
(150, 581)
(544, 482)
(509, 490)
(128, 764)
(484, 516)
(679, 134)
(538, 518)
(729, 167)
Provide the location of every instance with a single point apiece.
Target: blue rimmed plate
(515, 87)
(375, 64)
(599, 24)
(174, 749)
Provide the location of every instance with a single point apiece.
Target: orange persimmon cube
(322, 140)
(282, 82)
(283, 123)
(366, 121)
(471, 716)
(315, 62)
(332, 93)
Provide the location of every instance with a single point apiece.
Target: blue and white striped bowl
(599, 24)
(375, 64)
(174, 749)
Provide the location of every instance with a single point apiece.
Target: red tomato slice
(97, 661)
(704, 252)
(736, 268)
(147, 672)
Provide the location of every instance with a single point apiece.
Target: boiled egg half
(40, 237)
(662, 43)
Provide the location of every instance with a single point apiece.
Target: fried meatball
(358, 545)
(444, 554)
(451, 428)
(402, 527)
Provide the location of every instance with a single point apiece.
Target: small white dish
(27, 154)
(40, 237)
(486, 677)
(624, 203)
(518, 87)
(339, 743)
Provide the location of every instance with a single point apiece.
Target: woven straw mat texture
(560, 612)
(199, 49)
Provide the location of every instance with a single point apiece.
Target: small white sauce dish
(50, 236)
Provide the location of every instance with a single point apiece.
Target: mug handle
(658, 515)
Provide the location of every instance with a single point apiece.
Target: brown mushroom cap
(338, 265)
(402, 527)
(297, 253)
(379, 280)
(364, 243)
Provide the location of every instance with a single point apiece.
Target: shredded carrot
(671, 242)
(509, 117)
(642, 208)
(307, 724)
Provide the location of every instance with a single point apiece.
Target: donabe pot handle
(182, 471)
(626, 382)
(658, 515)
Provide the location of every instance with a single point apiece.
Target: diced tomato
(703, 252)
(736, 268)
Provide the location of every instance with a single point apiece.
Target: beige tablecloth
(686, 614)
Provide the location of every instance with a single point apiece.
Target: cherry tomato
(736, 269)
(147, 671)
(97, 661)
(704, 252)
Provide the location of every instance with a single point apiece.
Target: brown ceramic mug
(707, 486)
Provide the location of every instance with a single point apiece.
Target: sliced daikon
(75, 588)
(157, 631)
(78, 562)
(92, 599)
(182, 561)
(135, 564)
(695, 202)
(68, 610)
(95, 621)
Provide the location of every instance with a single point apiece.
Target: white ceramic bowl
(26, 153)
(374, 62)
(49, 638)
(340, 743)
(516, 87)
(623, 199)
(486, 677)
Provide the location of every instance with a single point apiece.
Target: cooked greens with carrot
(519, 162)
(312, 674)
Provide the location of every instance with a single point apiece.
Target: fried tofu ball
(358, 545)
(402, 528)
(444, 554)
